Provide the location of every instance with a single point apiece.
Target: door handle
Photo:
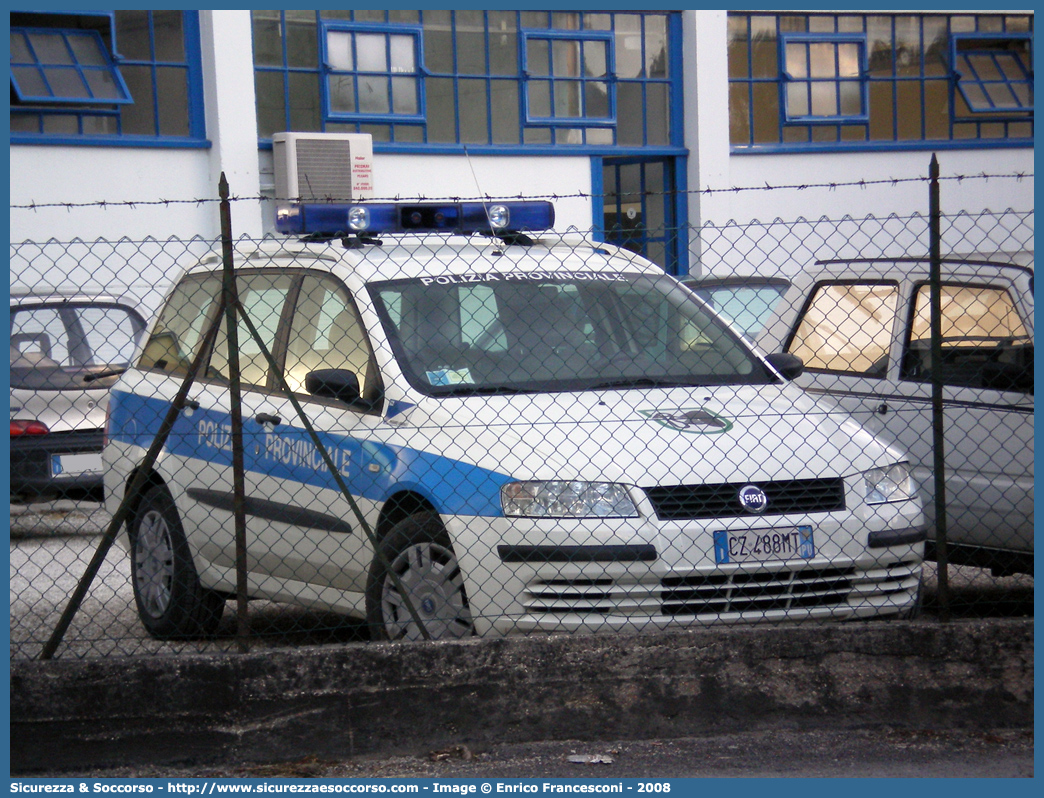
(267, 418)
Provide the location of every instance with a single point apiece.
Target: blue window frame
(993, 74)
(824, 78)
(569, 78)
(372, 73)
(131, 78)
(64, 66)
(477, 86)
(926, 81)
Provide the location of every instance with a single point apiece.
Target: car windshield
(522, 332)
(71, 345)
(747, 305)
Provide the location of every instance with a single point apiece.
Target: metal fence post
(938, 445)
(231, 300)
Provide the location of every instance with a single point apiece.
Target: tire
(419, 553)
(171, 602)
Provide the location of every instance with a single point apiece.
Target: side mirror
(339, 384)
(789, 366)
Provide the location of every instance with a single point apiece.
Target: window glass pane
(538, 56)
(539, 98)
(658, 113)
(656, 47)
(503, 43)
(169, 36)
(909, 113)
(567, 98)
(61, 124)
(132, 35)
(326, 334)
(65, 83)
(851, 98)
(847, 328)
(824, 99)
(370, 49)
(797, 100)
(262, 297)
(339, 50)
(630, 116)
(565, 58)
(271, 110)
(596, 100)
(739, 46)
(766, 113)
(179, 332)
(595, 59)
(404, 95)
(822, 62)
(87, 51)
(472, 104)
(985, 342)
(438, 42)
(373, 94)
(173, 111)
(797, 60)
(504, 108)
(440, 108)
(50, 48)
(302, 42)
(30, 81)
(403, 54)
(471, 43)
(268, 41)
(20, 48)
(304, 102)
(138, 118)
(764, 52)
(629, 50)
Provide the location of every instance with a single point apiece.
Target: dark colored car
(66, 352)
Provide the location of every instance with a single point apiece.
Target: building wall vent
(323, 167)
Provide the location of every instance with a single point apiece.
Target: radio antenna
(481, 196)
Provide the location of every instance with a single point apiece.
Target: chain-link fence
(373, 437)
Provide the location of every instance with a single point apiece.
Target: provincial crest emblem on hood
(695, 421)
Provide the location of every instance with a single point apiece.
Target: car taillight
(21, 427)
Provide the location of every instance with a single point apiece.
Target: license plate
(764, 545)
(73, 464)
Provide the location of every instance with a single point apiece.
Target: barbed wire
(832, 186)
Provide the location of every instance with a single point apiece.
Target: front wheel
(171, 602)
(415, 561)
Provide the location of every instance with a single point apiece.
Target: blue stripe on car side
(454, 487)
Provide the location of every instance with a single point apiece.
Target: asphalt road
(51, 545)
(783, 753)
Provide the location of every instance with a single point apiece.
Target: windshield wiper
(643, 382)
(101, 375)
(475, 390)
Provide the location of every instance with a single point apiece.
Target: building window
(568, 78)
(872, 81)
(371, 73)
(823, 78)
(993, 74)
(64, 66)
(518, 80)
(106, 77)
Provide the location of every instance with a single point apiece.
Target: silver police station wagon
(517, 431)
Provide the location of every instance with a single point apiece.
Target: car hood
(649, 437)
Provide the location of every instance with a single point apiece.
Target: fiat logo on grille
(753, 499)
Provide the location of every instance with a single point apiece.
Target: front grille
(738, 595)
(760, 591)
(785, 497)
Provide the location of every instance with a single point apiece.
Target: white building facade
(633, 121)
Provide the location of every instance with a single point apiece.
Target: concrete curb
(390, 698)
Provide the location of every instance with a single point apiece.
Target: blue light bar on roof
(373, 219)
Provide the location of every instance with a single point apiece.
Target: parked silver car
(862, 329)
(66, 352)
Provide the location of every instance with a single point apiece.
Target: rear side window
(985, 343)
(847, 328)
(57, 346)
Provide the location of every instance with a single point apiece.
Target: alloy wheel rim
(154, 564)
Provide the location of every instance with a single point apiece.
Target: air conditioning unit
(323, 167)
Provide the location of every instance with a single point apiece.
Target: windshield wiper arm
(642, 382)
(101, 375)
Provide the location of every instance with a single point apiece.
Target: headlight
(567, 500)
(888, 484)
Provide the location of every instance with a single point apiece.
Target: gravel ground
(862, 753)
